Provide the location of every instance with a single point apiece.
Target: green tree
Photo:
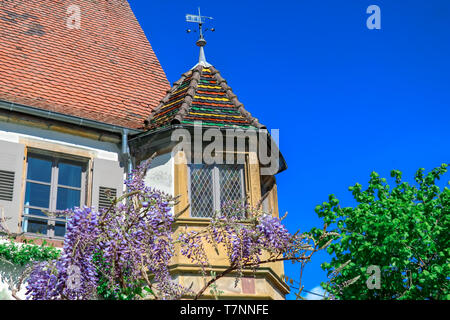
(403, 230)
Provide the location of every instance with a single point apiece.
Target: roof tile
(104, 71)
(203, 95)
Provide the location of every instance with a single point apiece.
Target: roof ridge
(187, 101)
(199, 88)
(233, 98)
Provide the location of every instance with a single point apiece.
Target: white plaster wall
(13, 132)
(161, 173)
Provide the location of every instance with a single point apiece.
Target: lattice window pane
(202, 192)
(231, 184)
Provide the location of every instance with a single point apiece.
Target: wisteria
(250, 237)
(73, 275)
(126, 249)
(122, 245)
(244, 236)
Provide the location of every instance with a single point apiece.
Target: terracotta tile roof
(104, 71)
(202, 95)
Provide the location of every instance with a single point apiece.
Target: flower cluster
(133, 239)
(44, 282)
(245, 234)
(73, 275)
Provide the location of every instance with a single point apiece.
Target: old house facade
(80, 107)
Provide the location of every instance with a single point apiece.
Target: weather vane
(200, 20)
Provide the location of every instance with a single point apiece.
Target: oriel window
(211, 186)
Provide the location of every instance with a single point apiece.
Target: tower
(208, 152)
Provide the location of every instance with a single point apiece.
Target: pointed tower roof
(202, 94)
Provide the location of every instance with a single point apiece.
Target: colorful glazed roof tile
(105, 71)
(202, 95)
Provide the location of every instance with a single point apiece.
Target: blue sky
(347, 100)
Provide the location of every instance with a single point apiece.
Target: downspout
(126, 151)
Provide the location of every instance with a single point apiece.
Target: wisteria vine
(122, 245)
(128, 247)
(249, 237)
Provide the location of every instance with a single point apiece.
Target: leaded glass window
(53, 184)
(211, 186)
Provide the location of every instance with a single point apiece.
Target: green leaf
(397, 229)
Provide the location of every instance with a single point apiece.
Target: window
(213, 185)
(52, 184)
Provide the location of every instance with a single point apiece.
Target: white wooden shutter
(106, 176)
(11, 176)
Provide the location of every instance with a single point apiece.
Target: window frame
(215, 174)
(56, 158)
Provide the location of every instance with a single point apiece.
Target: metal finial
(201, 42)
